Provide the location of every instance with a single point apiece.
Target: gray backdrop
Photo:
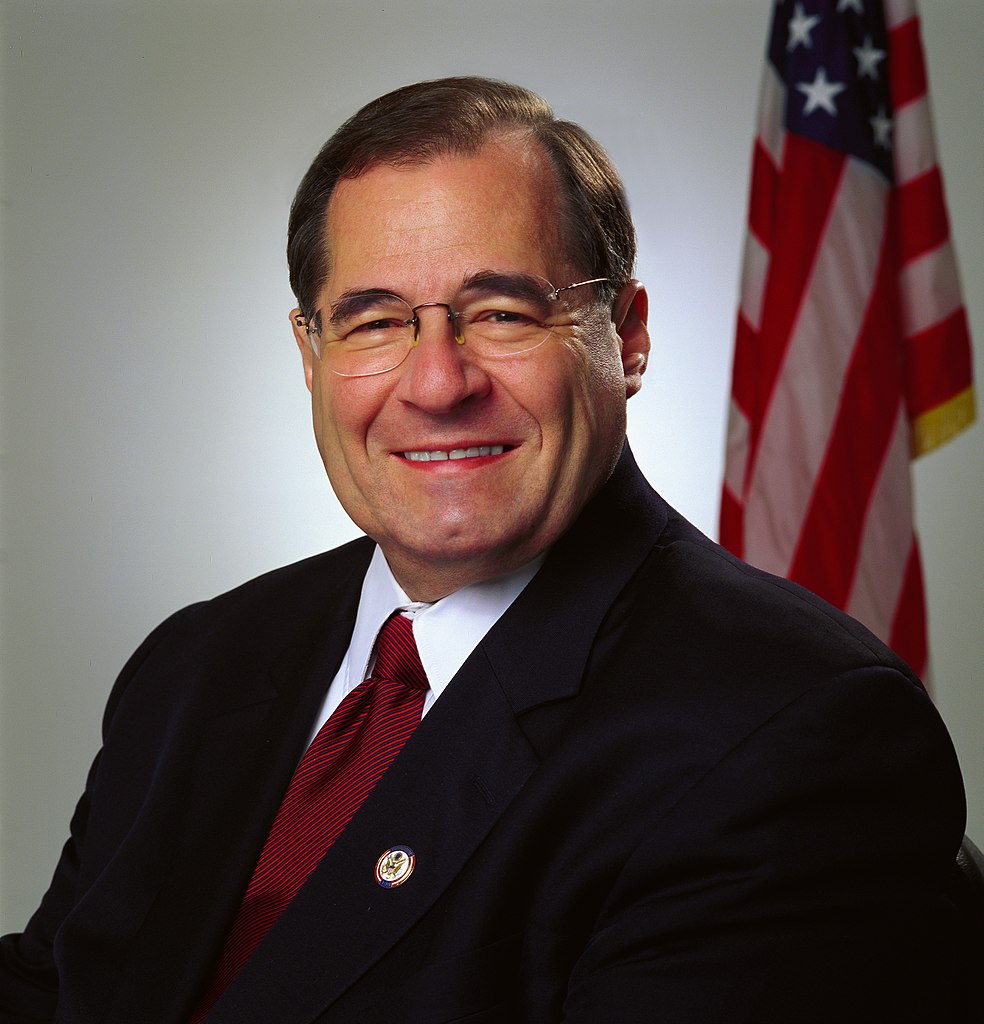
(156, 442)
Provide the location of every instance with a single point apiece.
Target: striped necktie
(342, 764)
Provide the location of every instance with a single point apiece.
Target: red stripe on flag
(762, 200)
(938, 363)
(807, 166)
(828, 545)
(906, 64)
(921, 218)
(732, 526)
(746, 374)
(908, 637)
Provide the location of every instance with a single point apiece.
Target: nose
(439, 374)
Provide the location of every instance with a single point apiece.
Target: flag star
(881, 125)
(854, 5)
(801, 25)
(868, 57)
(820, 93)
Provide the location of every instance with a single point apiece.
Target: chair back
(968, 895)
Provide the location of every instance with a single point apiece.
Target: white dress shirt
(446, 631)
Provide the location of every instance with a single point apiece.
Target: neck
(428, 582)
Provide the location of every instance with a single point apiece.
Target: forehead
(420, 228)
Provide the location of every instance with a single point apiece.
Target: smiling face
(539, 431)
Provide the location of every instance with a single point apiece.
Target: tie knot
(397, 657)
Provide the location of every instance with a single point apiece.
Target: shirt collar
(446, 631)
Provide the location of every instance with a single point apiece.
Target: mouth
(450, 454)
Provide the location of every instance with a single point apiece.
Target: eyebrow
(496, 282)
(481, 283)
(354, 300)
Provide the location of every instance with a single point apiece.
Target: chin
(475, 546)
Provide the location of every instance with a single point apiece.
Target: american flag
(852, 352)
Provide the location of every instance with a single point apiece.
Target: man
(649, 782)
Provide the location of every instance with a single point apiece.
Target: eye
(369, 315)
(382, 324)
(375, 326)
(506, 311)
(506, 316)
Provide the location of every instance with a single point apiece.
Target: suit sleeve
(802, 880)
(29, 960)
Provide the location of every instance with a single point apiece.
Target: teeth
(455, 453)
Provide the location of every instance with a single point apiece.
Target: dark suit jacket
(665, 787)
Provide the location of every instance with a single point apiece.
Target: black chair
(967, 893)
(970, 860)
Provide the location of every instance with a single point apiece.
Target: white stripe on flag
(771, 101)
(886, 538)
(929, 289)
(736, 457)
(915, 154)
(897, 12)
(754, 271)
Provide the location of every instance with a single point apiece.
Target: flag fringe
(936, 426)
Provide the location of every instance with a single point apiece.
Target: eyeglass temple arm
(580, 284)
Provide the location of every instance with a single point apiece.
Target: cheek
(340, 434)
(595, 383)
(345, 408)
(598, 410)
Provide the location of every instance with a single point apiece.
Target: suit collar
(541, 645)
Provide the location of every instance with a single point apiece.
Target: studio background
(154, 427)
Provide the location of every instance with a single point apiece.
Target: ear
(630, 314)
(303, 341)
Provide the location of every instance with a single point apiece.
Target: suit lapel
(254, 732)
(458, 773)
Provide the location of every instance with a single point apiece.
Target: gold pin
(395, 866)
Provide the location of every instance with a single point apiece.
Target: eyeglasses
(496, 315)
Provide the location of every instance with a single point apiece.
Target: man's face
(557, 412)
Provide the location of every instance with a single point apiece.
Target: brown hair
(419, 122)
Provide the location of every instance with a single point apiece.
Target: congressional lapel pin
(395, 866)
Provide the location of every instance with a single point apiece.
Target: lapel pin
(395, 866)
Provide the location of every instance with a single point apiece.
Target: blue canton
(832, 57)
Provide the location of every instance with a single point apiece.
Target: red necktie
(344, 761)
